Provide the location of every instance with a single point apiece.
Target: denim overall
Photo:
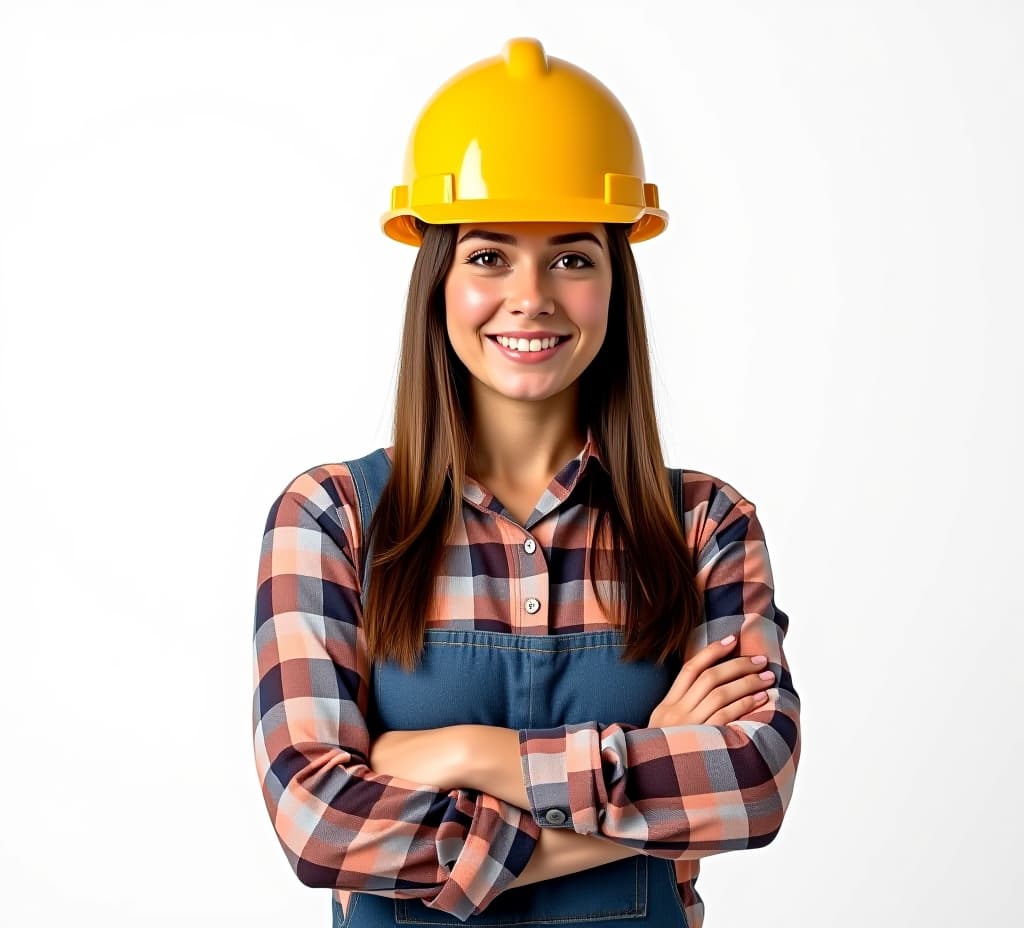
(521, 681)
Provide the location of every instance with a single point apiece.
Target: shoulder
(713, 505)
(326, 493)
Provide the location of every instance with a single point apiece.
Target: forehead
(532, 234)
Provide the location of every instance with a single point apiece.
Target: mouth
(532, 344)
(536, 350)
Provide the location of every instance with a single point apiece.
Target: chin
(525, 395)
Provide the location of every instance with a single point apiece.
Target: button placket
(533, 579)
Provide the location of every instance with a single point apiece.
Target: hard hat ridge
(524, 57)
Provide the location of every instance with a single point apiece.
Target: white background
(197, 303)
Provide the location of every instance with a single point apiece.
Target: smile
(528, 357)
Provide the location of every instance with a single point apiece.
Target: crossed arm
(485, 756)
(457, 756)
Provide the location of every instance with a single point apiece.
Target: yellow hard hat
(523, 136)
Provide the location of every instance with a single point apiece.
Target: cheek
(588, 306)
(468, 303)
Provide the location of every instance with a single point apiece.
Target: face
(533, 281)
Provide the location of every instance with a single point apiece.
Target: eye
(586, 261)
(476, 254)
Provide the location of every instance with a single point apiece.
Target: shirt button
(532, 605)
(530, 545)
(554, 816)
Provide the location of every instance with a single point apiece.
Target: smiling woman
(530, 714)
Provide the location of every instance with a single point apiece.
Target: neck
(521, 442)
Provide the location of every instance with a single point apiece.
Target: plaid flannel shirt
(682, 792)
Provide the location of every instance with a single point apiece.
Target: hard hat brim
(398, 224)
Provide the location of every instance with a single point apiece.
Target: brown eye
(477, 254)
(586, 262)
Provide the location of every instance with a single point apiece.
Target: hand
(706, 692)
(427, 756)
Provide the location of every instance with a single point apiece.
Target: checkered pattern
(681, 793)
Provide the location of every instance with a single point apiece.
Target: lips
(528, 357)
(497, 335)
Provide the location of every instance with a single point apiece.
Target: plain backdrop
(197, 303)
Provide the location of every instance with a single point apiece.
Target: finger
(706, 657)
(749, 687)
(738, 708)
(746, 690)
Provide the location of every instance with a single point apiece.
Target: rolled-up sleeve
(340, 824)
(687, 791)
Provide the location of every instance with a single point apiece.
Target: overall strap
(369, 475)
(675, 480)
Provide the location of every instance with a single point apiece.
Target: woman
(548, 705)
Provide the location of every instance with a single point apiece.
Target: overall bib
(521, 681)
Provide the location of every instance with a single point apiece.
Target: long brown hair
(420, 505)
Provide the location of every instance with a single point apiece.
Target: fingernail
(729, 640)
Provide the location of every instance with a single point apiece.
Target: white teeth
(521, 344)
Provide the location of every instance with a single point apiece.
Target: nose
(526, 292)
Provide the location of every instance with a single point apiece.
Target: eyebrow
(507, 239)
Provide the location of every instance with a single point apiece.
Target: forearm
(561, 851)
(491, 762)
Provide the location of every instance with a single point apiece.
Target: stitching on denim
(636, 882)
(529, 724)
(674, 889)
(499, 647)
(504, 647)
(345, 918)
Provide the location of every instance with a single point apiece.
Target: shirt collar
(591, 450)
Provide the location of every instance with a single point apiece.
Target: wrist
(488, 756)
